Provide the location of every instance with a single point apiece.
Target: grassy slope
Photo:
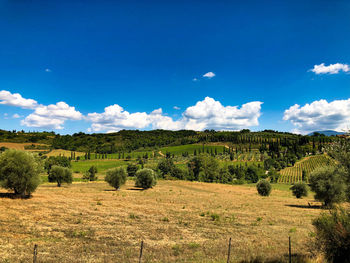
(89, 222)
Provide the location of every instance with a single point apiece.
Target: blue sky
(101, 66)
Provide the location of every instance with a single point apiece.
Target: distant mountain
(327, 133)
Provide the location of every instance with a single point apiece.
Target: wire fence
(35, 252)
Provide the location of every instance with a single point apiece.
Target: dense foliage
(264, 187)
(90, 175)
(56, 160)
(116, 177)
(328, 184)
(145, 178)
(20, 171)
(299, 189)
(60, 175)
(333, 235)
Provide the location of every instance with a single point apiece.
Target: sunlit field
(178, 221)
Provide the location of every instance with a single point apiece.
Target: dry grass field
(179, 221)
(66, 153)
(18, 146)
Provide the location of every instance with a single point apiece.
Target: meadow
(178, 221)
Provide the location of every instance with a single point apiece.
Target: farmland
(179, 221)
(309, 164)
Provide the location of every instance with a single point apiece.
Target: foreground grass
(179, 221)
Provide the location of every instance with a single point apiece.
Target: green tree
(299, 189)
(165, 167)
(132, 169)
(90, 174)
(145, 178)
(116, 177)
(264, 187)
(328, 184)
(333, 235)
(20, 171)
(60, 175)
(57, 160)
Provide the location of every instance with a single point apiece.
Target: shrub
(263, 187)
(90, 174)
(333, 235)
(116, 177)
(132, 169)
(328, 184)
(299, 190)
(60, 175)
(145, 178)
(19, 171)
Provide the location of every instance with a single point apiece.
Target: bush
(299, 190)
(90, 175)
(132, 169)
(116, 177)
(19, 171)
(263, 187)
(145, 178)
(60, 175)
(333, 235)
(328, 184)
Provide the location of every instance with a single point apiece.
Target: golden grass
(179, 221)
(66, 153)
(18, 146)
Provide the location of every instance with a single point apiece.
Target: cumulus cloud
(52, 116)
(209, 75)
(176, 108)
(16, 116)
(331, 69)
(15, 99)
(212, 114)
(206, 114)
(319, 115)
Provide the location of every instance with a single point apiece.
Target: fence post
(141, 249)
(290, 251)
(229, 251)
(35, 253)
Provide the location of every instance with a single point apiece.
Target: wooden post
(141, 249)
(35, 253)
(290, 251)
(229, 251)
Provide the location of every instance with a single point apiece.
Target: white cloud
(176, 108)
(47, 70)
(209, 75)
(16, 116)
(52, 116)
(211, 114)
(331, 69)
(206, 114)
(319, 115)
(15, 99)
(194, 79)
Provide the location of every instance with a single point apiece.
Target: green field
(190, 148)
(102, 165)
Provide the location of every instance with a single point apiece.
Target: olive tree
(263, 187)
(20, 171)
(60, 175)
(116, 177)
(299, 189)
(145, 178)
(328, 183)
